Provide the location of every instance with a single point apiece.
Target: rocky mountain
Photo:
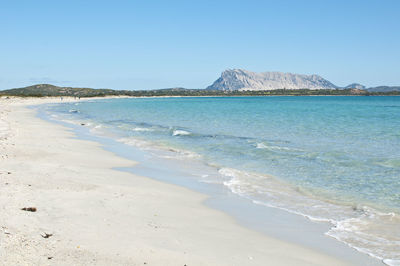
(239, 79)
(355, 86)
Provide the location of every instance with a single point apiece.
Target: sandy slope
(100, 216)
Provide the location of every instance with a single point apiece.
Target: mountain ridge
(244, 80)
(234, 82)
(240, 79)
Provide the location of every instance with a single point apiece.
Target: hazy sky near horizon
(159, 44)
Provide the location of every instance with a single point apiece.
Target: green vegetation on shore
(45, 90)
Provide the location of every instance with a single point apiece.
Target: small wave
(142, 129)
(180, 154)
(209, 179)
(180, 132)
(263, 145)
(160, 150)
(74, 122)
(100, 129)
(391, 163)
(97, 128)
(391, 262)
(73, 111)
(135, 142)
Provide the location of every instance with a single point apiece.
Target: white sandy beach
(101, 216)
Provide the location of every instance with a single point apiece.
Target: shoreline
(167, 223)
(298, 228)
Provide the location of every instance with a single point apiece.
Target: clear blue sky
(159, 44)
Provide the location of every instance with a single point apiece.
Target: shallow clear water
(334, 159)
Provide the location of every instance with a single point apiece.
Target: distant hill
(51, 90)
(43, 90)
(384, 89)
(239, 79)
(355, 86)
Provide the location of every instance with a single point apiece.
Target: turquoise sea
(331, 159)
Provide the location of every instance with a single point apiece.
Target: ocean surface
(331, 159)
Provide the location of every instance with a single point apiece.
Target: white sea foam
(142, 129)
(97, 129)
(180, 132)
(73, 122)
(364, 228)
(391, 262)
(205, 178)
(263, 145)
(160, 150)
(136, 142)
(181, 154)
(372, 232)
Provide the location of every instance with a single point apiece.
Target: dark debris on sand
(29, 209)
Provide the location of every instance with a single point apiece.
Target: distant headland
(232, 82)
